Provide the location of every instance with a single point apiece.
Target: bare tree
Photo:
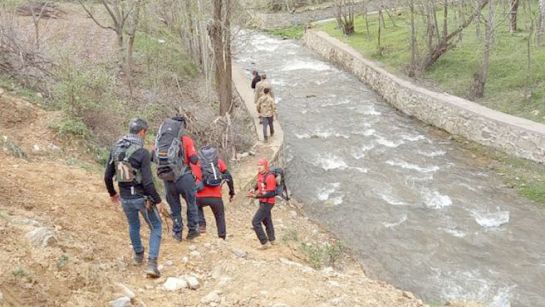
(219, 31)
(345, 15)
(445, 42)
(541, 23)
(514, 6)
(413, 67)
(480, 77)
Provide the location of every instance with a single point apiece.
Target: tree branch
(93, 17)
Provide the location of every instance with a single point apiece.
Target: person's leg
(154, 222)
(216, 204)
(264, 122)
(201, 203)
(271, 125)
(267, 221)
(173, 200)
(186, 184)
(131, 211)
(256, 223)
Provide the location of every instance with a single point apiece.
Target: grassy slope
(508, 84)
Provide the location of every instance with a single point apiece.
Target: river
(418, 210)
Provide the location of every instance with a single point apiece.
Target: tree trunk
(541, 26)
(513, 15)
(413, 65)
(481, 76)
(220, 37)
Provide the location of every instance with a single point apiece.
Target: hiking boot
(152, 271)
(193, 234)
(265, 246)
(138, 258)
(177, 236)
(202, 229)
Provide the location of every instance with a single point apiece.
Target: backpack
(211, 174)
(280, 177)
(124, 172)
(169, 152)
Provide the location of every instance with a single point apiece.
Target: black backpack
(169, 151)
(280, 177)
(121, 153)
(208, 159)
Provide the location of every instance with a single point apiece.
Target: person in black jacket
(129, 163)
(256, 78)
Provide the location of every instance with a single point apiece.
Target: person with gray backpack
(175, 156)
(210, 175)
(129, 163)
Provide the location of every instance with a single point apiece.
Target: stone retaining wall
(517, 136)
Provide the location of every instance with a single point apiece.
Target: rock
(207, 245)
(212, 297)
(408, 294)
(239, 253)
(1, 92)
(125, 290)
(224, 281)
(169, 263)
(173, 284)
(121, 302)
(185, 259)
(279, 305)
(195, 254)
(192, 247)
(42, 237)
(192, 281)
(328, 271)
(39, 95)
(35, 147)
(244, 154)
(335, 301)
(293, 213)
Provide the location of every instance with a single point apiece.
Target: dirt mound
(64, 243)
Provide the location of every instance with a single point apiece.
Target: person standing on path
(255, 79)
(210, 175)
(177, 173)
(130, 163)
(261, 86)
(266, 110)
(265, 192)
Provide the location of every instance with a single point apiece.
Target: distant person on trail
(266, 110)
(176, 160)
(265, 192)
(260, 86)
(211, 174)
(130, 163)
(255, 79)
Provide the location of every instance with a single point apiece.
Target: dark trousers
(184, 186)
(263, 215)
(267, 121)
(216, 204)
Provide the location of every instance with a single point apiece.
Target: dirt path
(81, 248)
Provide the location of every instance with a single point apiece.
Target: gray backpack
(121, 153)
(169, 152)
(208, 159)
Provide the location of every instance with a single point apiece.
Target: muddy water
(418, 210)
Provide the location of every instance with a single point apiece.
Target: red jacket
(209, 191)
(266, 183)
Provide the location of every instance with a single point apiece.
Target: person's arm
(227, 176)
(147, 178)
(190, 152)
(109, 175)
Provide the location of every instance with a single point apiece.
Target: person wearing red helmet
(264, 191)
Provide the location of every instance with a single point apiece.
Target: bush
(322, 255)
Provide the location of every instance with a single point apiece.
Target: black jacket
(256, 79)
(140, 160)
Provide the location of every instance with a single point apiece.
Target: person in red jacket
(264, 191)
(212, 195)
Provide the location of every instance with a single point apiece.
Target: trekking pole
(164, 219)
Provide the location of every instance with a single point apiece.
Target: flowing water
(416, 208)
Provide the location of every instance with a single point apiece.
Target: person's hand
(115, 199)
(251, 194)
(231, 196)
(159, 207)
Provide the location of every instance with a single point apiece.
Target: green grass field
(510, 87)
